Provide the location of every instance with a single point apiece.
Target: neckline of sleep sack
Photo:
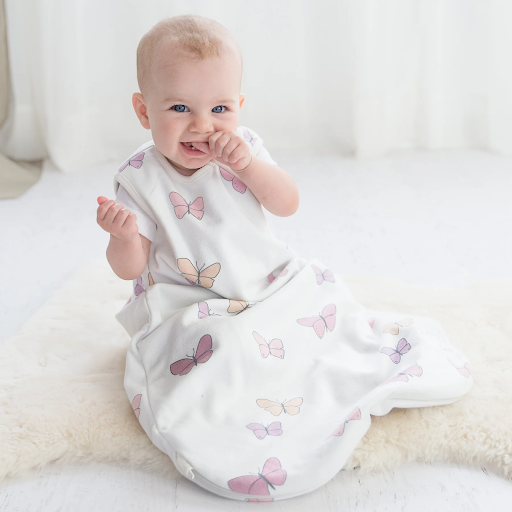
(180, 177)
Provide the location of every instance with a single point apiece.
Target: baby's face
(189, 101)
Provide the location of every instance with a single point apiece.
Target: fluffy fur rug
(62, 395)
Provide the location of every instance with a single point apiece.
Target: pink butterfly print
(247, 136)
(274, 429)
(138, 287)
(238, 184)
(371, 321)
(413, 371)
(326, 275)
(272, 475)
(204, 310)
(465, 370)
(134, 161)
(181, 207)
(127, 301)
(271, 277)
(354, 415)
(204, 352)
(392, 328)
(275, 347)
(319, 323)
(136, 405)
(395, 355)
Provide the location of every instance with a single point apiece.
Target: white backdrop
(361, 77)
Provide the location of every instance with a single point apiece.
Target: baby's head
(189, 70)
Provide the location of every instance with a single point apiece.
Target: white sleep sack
(254, 369)
(146, 226)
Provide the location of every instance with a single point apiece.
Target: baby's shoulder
(143, 157)
(250, 137)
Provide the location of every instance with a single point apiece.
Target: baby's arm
(274, 188)
(128, 259)
(127, 251)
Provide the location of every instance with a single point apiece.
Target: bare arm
(274, 188)
(128, 258)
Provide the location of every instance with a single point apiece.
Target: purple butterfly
(135, 161)
(247, 136)
(205, 311)
(326, 275)
(395, 355)
(203, 353)
(413, 371)
(274, 429)
(138, 287)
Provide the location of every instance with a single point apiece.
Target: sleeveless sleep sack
(254, 369)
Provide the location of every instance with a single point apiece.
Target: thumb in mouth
(202, 146)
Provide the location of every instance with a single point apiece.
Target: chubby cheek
(228, 123)
(166, 133)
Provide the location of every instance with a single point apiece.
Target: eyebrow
(169, 100)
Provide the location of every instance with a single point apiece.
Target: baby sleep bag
(252, 368)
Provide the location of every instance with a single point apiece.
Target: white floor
(429, 218)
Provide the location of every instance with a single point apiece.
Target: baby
(229, 326)
(189, 71)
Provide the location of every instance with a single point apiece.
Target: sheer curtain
(357, 77)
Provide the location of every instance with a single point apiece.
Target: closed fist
(227, 148)
(116, 220)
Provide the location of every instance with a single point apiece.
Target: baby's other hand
(227, 148)
(119, 222)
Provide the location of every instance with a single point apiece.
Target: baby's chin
(186, 168)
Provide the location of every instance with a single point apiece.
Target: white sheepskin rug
(62, 396)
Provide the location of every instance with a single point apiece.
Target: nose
(201, 124)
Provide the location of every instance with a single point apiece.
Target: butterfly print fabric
(354, 415)
(274, 429)
(272, 277)
(136, 405)
(254, 369)
(204, 310)
(135, 161)
(274, 347)
(204, 352)
(325, 320)
(326, 275)
(181, 207)
(291, 407)
(271, 475)
(238, 185)
(395, 354)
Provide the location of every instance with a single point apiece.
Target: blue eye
(172, 108)
(219, 106)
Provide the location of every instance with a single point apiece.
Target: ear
(242, 99)
(140, 109)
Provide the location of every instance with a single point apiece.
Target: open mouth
(189, 149)
(189, 145)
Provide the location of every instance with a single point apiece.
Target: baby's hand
(228, 148)
(114, 220)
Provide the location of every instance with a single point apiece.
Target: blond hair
(203, 37)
